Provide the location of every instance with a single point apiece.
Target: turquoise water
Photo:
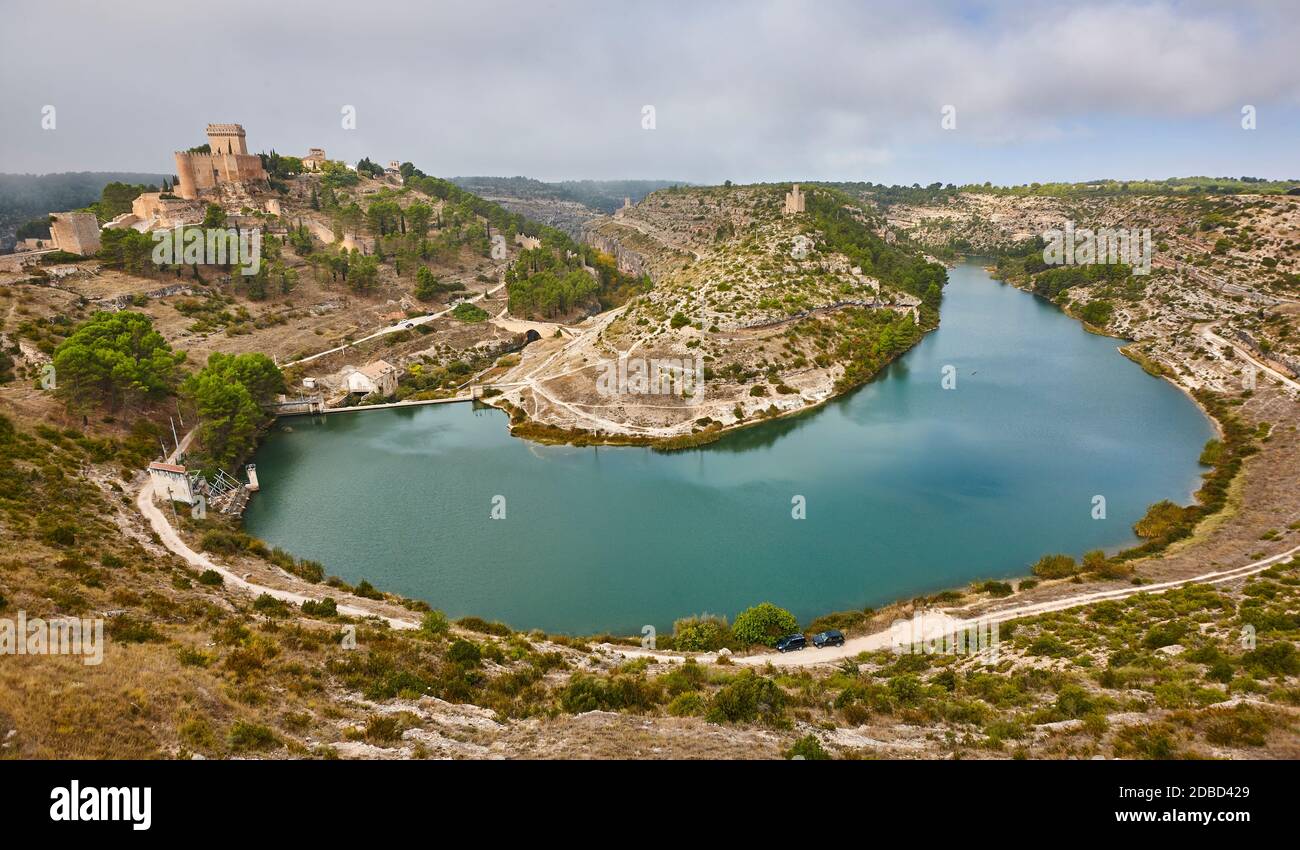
(910, 488)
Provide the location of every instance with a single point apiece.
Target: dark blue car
(830, 637)
(790, 643)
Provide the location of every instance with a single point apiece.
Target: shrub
(689, 704)
(748, 698)
(1055, 566)
(764, 624)
(1073, 701)
(478, 624)
(211, 578)
(383, 729)
(1276, 657)
(616, 693)
(434, 623)
(222, 542)
(1164, 634)
(994, 588)
(465, 653)
(130, 630)
(1164, 519)
(469, 313)
(326, 607)
(366, 590)
(251, 736)
(701, 634)
(270, 606)
(809, 747)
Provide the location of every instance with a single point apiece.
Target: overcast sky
(747, 90)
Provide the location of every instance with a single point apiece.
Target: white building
(171, 481)
(377, 377)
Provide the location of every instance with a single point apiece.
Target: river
(909, 487)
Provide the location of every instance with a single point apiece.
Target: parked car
(790, 643)
(830, 637)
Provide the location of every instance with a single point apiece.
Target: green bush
(994, 588)
(615, 693)
(809, 747)
(270, 606)
(251, 736)
(434, 623)
(326, 607)
(211, 578)
(749, 698)
(1164, 634)
(689, 704)
(366, 590)
(701, 634)
(1073, 702)
(478, 624)
(764, 624)
(1276, 657)
(1055, 566)
(465, 653)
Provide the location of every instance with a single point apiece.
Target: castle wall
(199, 172)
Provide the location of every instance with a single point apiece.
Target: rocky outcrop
(630, 261)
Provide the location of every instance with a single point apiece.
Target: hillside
(1225, 270)
(566, 205)
(220, 646)
(772, 313)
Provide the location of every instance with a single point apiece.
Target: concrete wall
(76, 232)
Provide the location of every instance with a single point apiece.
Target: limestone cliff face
(630, 261)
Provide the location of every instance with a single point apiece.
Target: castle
(227, 161)
(794, 201)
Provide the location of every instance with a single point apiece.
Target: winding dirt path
(884, 639)
(157, 520)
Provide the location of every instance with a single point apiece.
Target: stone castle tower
(794, 201)
(227, 161)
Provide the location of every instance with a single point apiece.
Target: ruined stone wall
(76, 232)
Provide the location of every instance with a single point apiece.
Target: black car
(830, 637)
(790, 643)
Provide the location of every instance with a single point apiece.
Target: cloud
(765, 89)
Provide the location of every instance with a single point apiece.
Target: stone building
(527, 243)
(378, 377)
(314, 159)
(227, 161)
(794, 201)
(75, 232)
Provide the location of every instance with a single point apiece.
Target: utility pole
(175, 439)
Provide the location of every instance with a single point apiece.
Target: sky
(750, 90)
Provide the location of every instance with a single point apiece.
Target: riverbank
(918, 442)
